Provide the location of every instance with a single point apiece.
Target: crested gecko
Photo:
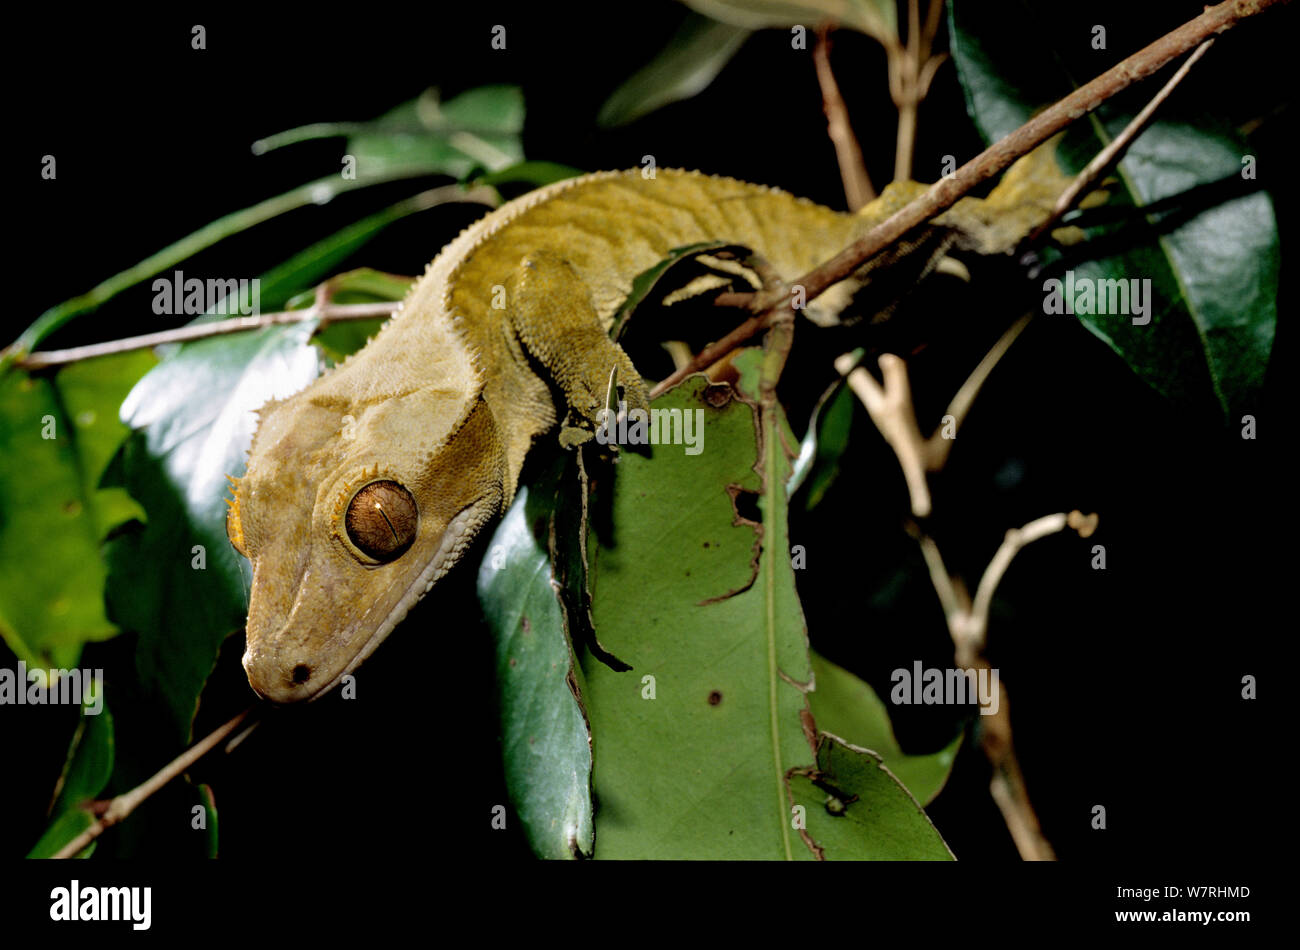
(366, 487)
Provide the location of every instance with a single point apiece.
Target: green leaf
(1212, 263)
(854, 809)
(53, 516)
(546, 738)
(691, 60)
(365, 285)
(86, 772)
(694, 748)
(193, 417)
(876, 18)
(847, 706)
(478, 129)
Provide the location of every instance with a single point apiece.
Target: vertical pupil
(381, 520)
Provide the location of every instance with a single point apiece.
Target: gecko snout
(281, 680)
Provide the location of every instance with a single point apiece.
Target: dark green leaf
(646, 281)
(1208, 247)
(546, 738)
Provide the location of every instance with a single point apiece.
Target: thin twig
(971, 633)
(1115, 150)
(114, 810)
(906, 65)
(891, 409)
(951, 595)
(968, 627)
(331, 313)
(318, 192)
(937, 450)
(853, 171)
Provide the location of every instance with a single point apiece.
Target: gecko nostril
(301, 673)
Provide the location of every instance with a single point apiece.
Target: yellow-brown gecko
(365, 488)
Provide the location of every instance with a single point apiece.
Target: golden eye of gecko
(381, 520)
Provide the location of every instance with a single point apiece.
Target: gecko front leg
(552, 316)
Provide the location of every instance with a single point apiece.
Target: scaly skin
(447, 399)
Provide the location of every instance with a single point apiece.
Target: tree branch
(994, 159)
(997, 157)
(114, 810)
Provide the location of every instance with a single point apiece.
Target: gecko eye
(381, 521)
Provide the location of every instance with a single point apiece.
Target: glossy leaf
(546, 739)
(1208, 247)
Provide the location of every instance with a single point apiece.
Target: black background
(1124, 684)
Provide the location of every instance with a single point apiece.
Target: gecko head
(349, 514)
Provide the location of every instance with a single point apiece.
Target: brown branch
(853, 171)
(714, 352)
(760, 321)
(1113, 152)
(1007, 785)
(114, 810)
(997, 157)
